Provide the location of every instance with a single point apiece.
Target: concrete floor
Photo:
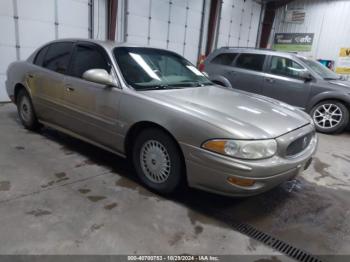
(59, 195)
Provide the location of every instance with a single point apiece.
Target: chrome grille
(299, 145)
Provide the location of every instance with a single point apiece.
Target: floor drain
(281, 246)
(276, 244)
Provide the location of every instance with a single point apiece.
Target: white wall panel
(174, 25)
(36, 26)
(239, 23)
(328, 20)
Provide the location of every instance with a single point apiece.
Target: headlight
(245, 149)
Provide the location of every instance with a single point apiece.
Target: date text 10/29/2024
(173, 258)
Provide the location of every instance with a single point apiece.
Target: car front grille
(299, 145)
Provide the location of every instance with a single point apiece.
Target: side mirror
(306, 76)
(99, 76)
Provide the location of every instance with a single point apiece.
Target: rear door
(221, 65)
(46, 81)
(248, 73)
(92, 108)
(283, 81)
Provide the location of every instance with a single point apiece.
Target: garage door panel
(7, 27)
(176, 47)
(191, 53)
(25, 52)
(74, 32)
(138, 26)
(6, 8)
(178, 15)
(196, 5)
(140, 8)
(73, 13)
(194, 19)
(192, 36)
(159, 30)
(160, 10)
(136, 40)
(35, 33)
(44, 10)
(181, 3)
(177, 34)
(8, 55)
(158, 43)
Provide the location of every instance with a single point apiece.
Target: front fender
(329, 95)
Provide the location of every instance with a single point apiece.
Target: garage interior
(59, 195)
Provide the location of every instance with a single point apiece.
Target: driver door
(92, 108)
(283, 81)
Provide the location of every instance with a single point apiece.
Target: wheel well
(18, 87)
(137, 129)
(330, 99)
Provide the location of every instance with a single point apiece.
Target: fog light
(240, 181)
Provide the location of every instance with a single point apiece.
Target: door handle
(69, 88)
(270, 80)
(30, 75)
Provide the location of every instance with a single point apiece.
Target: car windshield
(320, 69)
(149, 69)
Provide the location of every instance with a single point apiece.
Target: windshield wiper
(195, 83)
(157, 87)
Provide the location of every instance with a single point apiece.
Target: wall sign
(343, 65)
(293, 42)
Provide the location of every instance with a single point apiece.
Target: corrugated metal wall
(27, 24)
(239, 23)
(328, 20)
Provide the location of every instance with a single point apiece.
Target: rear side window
(57, 57)
(251, 61)
(39, 59)
(224, 59)
(88, 57)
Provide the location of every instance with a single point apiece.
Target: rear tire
(157, 160)
(26, 111)
(330, 116)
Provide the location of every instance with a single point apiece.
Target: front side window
(57, 57)
(285, 67)
(88, 57)
(149, 68)
(251, 61)
(224, 59)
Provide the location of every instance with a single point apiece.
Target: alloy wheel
(327, 115)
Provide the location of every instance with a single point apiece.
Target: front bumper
(210, 171)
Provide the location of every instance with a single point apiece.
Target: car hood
(344, 85)
(244, 115)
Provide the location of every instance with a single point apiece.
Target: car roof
(106, 44)
(252, 50)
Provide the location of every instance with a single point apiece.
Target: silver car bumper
(210, 171)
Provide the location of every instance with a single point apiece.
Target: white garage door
(27, 24)
(173, 25)
(239, 23)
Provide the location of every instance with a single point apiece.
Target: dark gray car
(296, 80)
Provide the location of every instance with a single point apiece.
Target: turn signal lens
(241, 181)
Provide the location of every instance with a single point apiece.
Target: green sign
(293, 42)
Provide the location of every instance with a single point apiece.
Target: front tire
(157, 160)
(26, 111)
(330, 116)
